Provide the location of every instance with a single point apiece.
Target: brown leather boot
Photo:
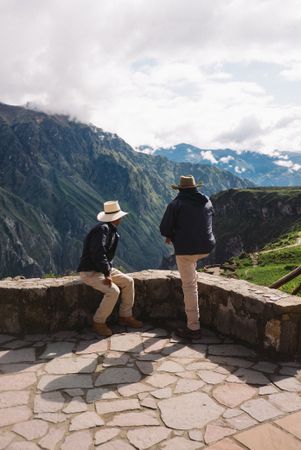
(130, 322)
(187, 333)
(102, 329)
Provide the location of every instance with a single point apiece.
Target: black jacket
(187, 221)
(99, 249)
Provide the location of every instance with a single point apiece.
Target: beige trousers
(187, 268)
(119, 280)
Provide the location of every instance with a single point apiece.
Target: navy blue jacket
(99, 249)
(187, 221)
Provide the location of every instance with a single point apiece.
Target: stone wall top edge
(241, 287)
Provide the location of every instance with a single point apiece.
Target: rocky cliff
(248, 219)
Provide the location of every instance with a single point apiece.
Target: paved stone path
(144, 390)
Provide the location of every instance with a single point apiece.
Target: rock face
(55, 174)
(248, 219)
(234, 307)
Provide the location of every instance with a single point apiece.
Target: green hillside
(266, 267)
(263, 231)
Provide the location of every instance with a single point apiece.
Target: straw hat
(112, 211)
(186, 182)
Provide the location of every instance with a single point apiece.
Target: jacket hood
(193, 196)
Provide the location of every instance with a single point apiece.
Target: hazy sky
(213, 73)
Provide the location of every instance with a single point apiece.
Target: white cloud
(155, 71)
(248, 128)
(289, 164)
(226, 159)
(208, 155)
(293, 72)
(239, 169)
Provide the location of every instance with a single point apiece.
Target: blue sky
(218, 73)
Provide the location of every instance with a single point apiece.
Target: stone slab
(146, 367)
(81, 440)
(103, 436)
(106, 407)
(71, 365)
(16, 356)
(210, 377)
(231, 350)
(133, 419)
(13, 398)
(76, 405)
(10, 416)
(286, 401)
(289, 384)
(291, 424)
(241, 422)
(260, 409)
(268, 437)
(55, 382)
(6, 438)
(53, 437)
(232, 395)
(118, 375)
(96, 346)
(225, 444)
(249, 376)
(48, 402)
(129, 342)
(215, 433)
(180, 443)
(188, 411)
(19, 381)
(32, 429)
(85, 420)
(161, 380)
(116, 444)
(133, 389)
(145, 437)
(100, 393)
(115, 359)
(56, 349)
(187, 385)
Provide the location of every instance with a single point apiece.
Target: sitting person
(96, 270)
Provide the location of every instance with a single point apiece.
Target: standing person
(96, 270)
(187, 224)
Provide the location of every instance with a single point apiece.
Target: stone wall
(267, 319)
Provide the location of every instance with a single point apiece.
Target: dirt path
(298, 242)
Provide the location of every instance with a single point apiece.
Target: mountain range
(278, 168)
(55, 174)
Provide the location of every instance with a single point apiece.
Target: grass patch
(270, 267)
(266, 275)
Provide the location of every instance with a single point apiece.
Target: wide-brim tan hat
(111, 212)
(186, 182)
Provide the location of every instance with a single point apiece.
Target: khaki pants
(119, 280)
(187, 268)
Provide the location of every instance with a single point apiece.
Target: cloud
(289, 164)
(248, 128)
(293, 72)
(208, 155)
(226, 159)
(239, 169)
(157, 72)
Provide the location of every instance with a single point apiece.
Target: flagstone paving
(145, 390)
